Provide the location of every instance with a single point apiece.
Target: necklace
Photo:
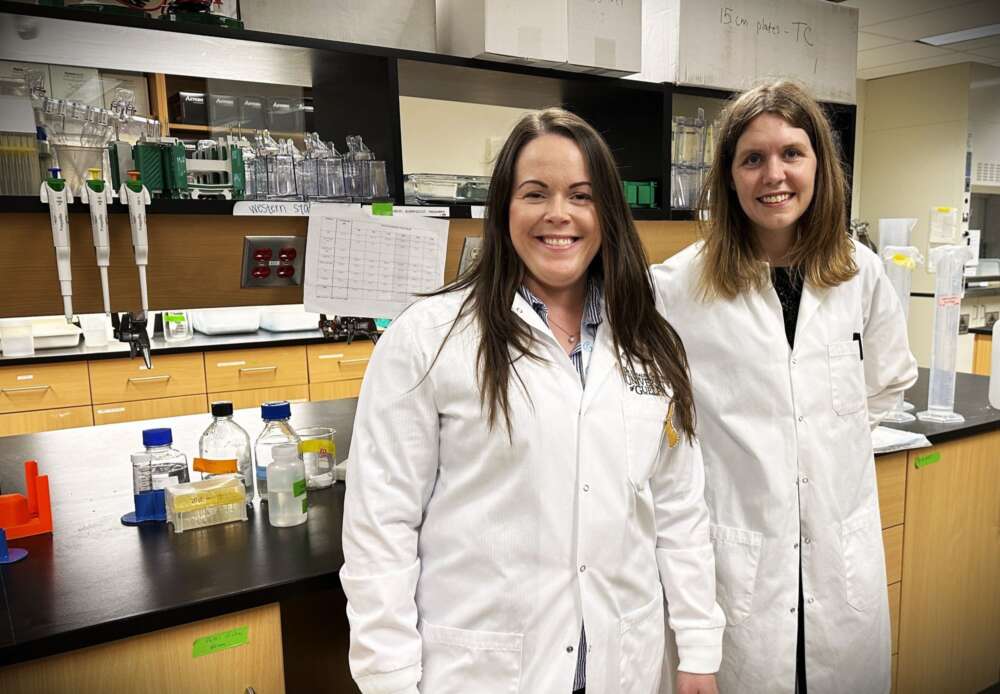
(572, 337)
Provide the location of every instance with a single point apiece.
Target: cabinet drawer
(339, 360)
(893, 541)
(126, 380)
(45, 420)
(43, 386)
(890, 473)
(335, 390)
(248, 369)
(112, 413)
(249, 399)
(894, 594)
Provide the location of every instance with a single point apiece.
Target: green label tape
(382, 209)
(173, 317)
(928, 459)
(305, 506)
(299, 488)
(207, 645)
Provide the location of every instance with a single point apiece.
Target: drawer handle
(257, 369)
(353, 361)
(337, 355)
(148, 379)
(24, 389)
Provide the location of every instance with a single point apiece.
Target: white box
(605, 36)
(524, 31)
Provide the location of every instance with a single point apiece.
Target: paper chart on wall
(359, 265)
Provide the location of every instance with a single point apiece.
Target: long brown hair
(638, 331)
(822, 250)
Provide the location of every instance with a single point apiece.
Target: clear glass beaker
(318, 447)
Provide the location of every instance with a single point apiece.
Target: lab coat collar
(812, 299)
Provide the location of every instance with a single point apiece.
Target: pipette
(136, 196)
(57, 194)
(97, 194)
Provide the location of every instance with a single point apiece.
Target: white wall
(915, 127)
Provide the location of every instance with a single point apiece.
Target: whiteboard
(736, 44)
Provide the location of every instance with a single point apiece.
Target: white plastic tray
(226, 321)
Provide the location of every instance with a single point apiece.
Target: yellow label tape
(207, 499)
(904, 261)
(326, 446)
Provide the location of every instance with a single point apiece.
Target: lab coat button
(586, 487)
(795, 362)
(569, 649)
(811, 601)
(792, 610)
(805, 480)
(801, 418)
(583, 567)
(795, 546)
(807, 541)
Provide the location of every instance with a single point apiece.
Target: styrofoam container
(225, 321)
(284, 319)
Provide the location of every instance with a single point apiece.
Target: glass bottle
(167, 465)
(276, 431)
(224, 439)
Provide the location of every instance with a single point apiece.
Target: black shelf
(16, 204)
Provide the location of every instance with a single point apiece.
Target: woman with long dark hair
(797, 347)
(524, 484)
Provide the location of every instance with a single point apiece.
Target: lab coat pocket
(641, 657)
(457, 661)
(864, 559)
(645, 417)
(847, 377)
(737, 553)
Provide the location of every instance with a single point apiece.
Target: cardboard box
(605, 36)
(532, 32)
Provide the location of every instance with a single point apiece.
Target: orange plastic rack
(20, 517)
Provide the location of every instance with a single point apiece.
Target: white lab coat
(471, 560)
(788, 459)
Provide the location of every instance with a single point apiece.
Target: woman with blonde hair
(524, 484)
(797, 347)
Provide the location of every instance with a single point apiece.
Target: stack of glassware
(278, 170)
(688, 160)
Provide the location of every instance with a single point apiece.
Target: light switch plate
(276, 245)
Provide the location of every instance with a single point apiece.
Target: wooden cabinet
(335, 390)
(165, 661)
(893, 541)
(126, 380)
(982, 354)
(244, 399)
(254, 369)
(950, 600)
(112, 413)
(43, 387)
(894, 595)
(45, 420)
(890, 472)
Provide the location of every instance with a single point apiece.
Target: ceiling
(889, 30)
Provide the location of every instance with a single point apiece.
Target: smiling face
(553, 218)
(774, 174)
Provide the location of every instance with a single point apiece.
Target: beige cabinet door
(43, 386)
(169, 660)
(248, 399)
(45, 420)
(890, 472)
(127, 380)
(335, 390)
(253, 369)
(138, 410)
(950, 602)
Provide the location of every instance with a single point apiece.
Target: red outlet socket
(287, 254)
(262, 255)
(285, 271)
(261, 272)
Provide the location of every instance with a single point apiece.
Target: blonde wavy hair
(822, 250)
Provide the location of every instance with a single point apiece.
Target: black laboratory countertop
(95, 580)
(198, 343)
(971, 401)
(981, 330)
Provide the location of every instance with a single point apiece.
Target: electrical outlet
(991, 318)
(273, 261)
(963, 323)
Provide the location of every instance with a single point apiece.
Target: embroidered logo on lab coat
(668, 426)
(641, 384)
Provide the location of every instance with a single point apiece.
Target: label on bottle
(299, 488)
(262, 473)
(215, 467)
(173, 317)
(163, 481)
(305, 506)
